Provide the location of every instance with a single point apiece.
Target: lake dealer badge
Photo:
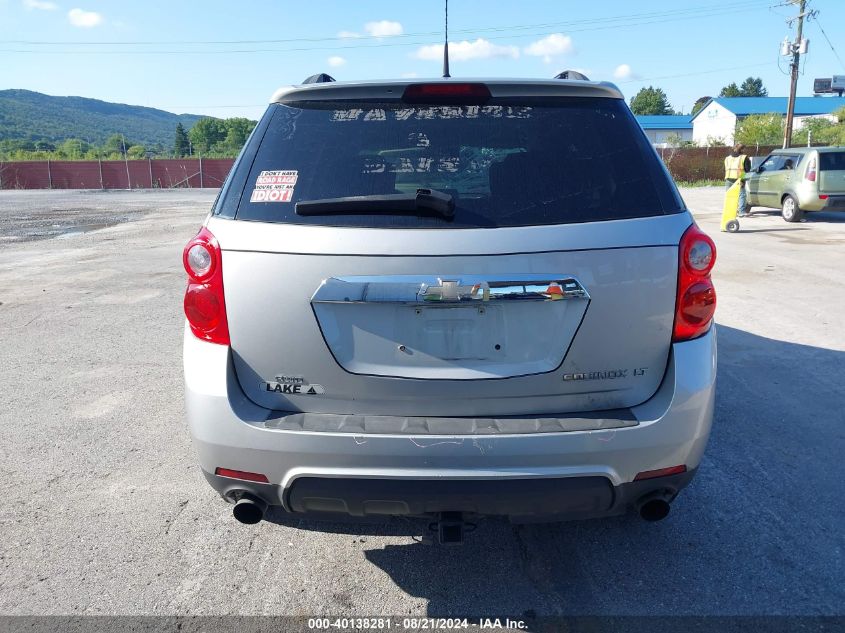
(293, 386)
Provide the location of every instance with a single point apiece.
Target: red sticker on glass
(274, 186)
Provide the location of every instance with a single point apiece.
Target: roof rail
(572, 74)
(319, 78)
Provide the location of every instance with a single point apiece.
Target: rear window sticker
(274, 186)
(419, 139)
(375, 115)
(351, 114)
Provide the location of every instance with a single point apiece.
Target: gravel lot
(107, 512)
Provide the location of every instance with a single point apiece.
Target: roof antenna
(446, 45)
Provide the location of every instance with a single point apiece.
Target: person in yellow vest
(737, 164)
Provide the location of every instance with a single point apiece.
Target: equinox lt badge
(604, 375)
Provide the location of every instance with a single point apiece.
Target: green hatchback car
(799, 179)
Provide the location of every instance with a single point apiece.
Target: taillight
(695, 303)
(811, 171)
(199, 261)
(205, 306)
(447, 92)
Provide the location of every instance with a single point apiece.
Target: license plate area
(448, 333)
(461, 327)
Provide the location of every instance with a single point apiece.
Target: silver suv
(449, 299)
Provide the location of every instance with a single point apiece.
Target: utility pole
(794, 66)
(126, 162)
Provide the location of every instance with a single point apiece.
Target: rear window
(504, 164)
(832, 161)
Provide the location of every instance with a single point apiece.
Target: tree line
(768, 129)
(653, 100)
(209, 137)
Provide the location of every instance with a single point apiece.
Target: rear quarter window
(508, 163)
(832, 161)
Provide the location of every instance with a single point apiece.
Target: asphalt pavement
(106, 511)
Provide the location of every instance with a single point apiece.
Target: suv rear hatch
(549, 288)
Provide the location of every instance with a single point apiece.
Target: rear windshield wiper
(422, 202)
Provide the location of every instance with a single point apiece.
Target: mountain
(28, 115)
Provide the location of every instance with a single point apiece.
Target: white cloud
(624, 71)
(40, 4)
(383, 28)
(409, 75)
(84, 19)
(462, 51)
(348, 34)
(336, 60)
(550, 46)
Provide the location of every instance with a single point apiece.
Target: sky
(226, 58)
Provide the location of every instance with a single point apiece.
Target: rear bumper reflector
(660, 472)
(241, 474)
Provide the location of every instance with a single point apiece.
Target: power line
(240, 105)
(694, 74)
(692, 13)
(642, 79)
(605, 27)
(827, 39)
(627, 81)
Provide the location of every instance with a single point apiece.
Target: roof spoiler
(572, 74)
(319, 78)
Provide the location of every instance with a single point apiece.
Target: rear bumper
(576, 473)
(834, 203)
(810, 201)
(522, 500)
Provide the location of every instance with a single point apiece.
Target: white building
(666, 130)
(717, 120)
